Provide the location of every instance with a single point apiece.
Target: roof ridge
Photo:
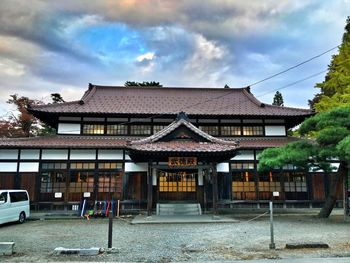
(166, 87)
(284, 107)
(88, 94)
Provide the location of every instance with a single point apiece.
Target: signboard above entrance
(182, 161)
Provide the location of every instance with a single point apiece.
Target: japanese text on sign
(182, 161)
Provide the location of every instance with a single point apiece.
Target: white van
(14, 206)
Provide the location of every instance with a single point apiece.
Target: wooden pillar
(149, 189)
(346, 195)
(215, 189)
(256, 181)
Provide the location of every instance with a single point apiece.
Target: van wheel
(22, 218)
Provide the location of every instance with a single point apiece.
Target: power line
(293, 67)
(253, 84)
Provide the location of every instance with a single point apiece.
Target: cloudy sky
(61, 46)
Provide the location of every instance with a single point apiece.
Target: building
(146, 145)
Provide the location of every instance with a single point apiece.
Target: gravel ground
(36, 240)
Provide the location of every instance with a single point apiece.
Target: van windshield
(3, 197)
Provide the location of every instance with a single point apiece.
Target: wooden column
(346, 195)
(215, 189)
(149, 189)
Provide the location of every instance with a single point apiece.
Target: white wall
(83, 154)
(54, 155)
(136, 167)
(8, 167)
(7, 154)
(222, 167)
(30, 154)
(29, 167)
(68, 128)
(275, 131)
(244, 155)
(154, 177)
(110, 154)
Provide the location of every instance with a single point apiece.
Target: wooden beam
(215, 189)
(149, 189)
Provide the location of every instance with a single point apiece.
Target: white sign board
(87, 194)
(58, 195)
(276, 194)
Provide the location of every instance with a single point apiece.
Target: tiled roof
(73, 141)
(62, 141)
(162, 100)
(183, 146)
(264, 142)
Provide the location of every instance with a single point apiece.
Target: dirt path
(36, 240)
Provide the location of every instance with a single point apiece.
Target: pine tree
(335, 89)
(142, 84)
(278, 99)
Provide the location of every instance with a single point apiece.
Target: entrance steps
(183, 209)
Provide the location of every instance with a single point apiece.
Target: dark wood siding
(7, 180)
(28, 183)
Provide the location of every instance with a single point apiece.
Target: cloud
(145, 57)
(62, 45)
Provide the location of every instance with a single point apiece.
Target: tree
(45, 129)
(56, 98)
(142, 84)
(24, 122)
(278, 99)
(331, 131)
(335, 89)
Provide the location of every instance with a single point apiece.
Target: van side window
(3, 196)
(18, 197)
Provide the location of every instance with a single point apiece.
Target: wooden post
(215, 188)
(346, 196)
(110, 229)
(149, 190)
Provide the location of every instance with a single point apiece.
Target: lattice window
(253, 130)
(230, 130)
(140, 129)
(110, 182)
(269, 182)
(177, 182)
(53, 181)
(107, 166)
(93, 129)
(295, 182)
(157, 128)
(53, 177)
(212, 130)
(82, 166)
(117, 129)
(243, 185)
(81, 181)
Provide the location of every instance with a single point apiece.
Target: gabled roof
(168, 101)
(166, 140)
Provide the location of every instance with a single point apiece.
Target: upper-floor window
(93, 129)
(212, 130)
(230, 130)
(117, 129)
(157, 128)
(253, 130)
(140, 129)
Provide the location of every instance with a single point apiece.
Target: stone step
(179, 209)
